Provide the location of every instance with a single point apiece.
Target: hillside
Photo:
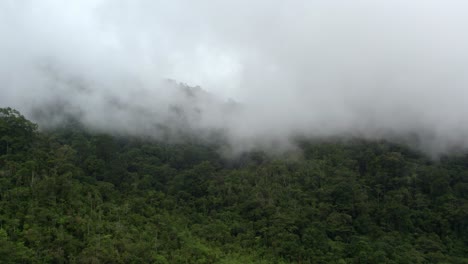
(69, 195)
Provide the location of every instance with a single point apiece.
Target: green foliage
(16, 133)
(69, 196)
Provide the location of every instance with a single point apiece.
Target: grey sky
(317, 68)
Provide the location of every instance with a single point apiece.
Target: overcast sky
(369, 68)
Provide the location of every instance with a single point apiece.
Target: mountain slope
(71, 196)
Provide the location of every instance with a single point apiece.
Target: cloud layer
(373, 69)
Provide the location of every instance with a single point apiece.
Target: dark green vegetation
(69, 196)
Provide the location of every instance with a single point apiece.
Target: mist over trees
(68, 195)
(375, 70)
(267, 131)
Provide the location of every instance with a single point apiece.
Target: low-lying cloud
(271, 70)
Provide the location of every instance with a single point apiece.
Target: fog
(269, 71)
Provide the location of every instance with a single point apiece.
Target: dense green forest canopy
(72, 196)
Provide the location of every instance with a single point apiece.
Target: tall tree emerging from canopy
(16, 132)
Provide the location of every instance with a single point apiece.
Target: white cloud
(368, 68)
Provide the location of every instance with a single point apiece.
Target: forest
(73, 195)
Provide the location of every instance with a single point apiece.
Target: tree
(16, 132)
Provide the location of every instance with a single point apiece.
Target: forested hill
(72, 196)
